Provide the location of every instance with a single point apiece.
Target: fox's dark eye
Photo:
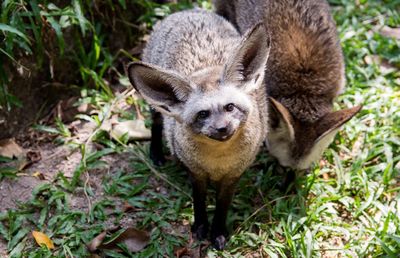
(203, 114)
(229, 108)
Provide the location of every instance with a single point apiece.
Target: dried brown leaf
(33, 156)
(384, 65)
(10, 149)
(39, 175)
(127, 207)
(135, 129)
(390, 32)
(181, 252)
(93, 245)
(23, 164)
(134, 239)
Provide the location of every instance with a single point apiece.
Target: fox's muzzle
(222, 134)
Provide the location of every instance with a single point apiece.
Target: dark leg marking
(225, 192)
(156, 146)
(200, 226)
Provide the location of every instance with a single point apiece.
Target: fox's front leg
(288, 178)
(156, 147)
(200, 226)
(225, 192)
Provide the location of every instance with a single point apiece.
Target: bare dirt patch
(59, 159)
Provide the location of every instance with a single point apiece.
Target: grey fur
(190, 41)
(305, 71)
(197, 61)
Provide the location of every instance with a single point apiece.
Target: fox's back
(306, 67)
(191, 40)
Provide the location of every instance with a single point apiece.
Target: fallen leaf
(85, 108)
(93, 245)
(190, 250)
(10, 149)
(42, 239)
(372, 59)
(322, 163)
(137, 51)
(134, 239)
(134, 129)
(39, 175)
(108, 124)
(384, 65)
(23, 164)
(127, 207)
(184, 251)
(390, 32)
(33, 156)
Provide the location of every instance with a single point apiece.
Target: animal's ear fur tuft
(246, 66)
(332, 121)
(280, 118)
(161, 88)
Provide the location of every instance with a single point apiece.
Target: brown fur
(305, 71)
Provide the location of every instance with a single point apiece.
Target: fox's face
(213, 103)
(215, 110)
(297, 144)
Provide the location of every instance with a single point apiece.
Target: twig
(128, 23)
(106, 116)
(257, 211)
(85, 191)
(56, 153)
(158, 174)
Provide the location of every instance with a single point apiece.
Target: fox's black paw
(158, 159)
(219, 242)
(200, 231)
(287, 185)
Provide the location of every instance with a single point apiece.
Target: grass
(348, 205)
(78, 34)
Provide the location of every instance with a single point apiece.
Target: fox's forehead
(216, 99)
(207, 79)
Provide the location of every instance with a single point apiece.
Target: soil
(34, 87)
(39, 81)
(52, 159)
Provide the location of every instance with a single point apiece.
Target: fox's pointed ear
(161, 88)
(280, 119)
(330, 123)
(246, 67)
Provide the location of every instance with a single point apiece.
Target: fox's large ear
(246, 67)
(280, 119)
(328, 125)
(161, 88)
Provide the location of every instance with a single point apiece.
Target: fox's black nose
(222, 133)
(222, 129)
